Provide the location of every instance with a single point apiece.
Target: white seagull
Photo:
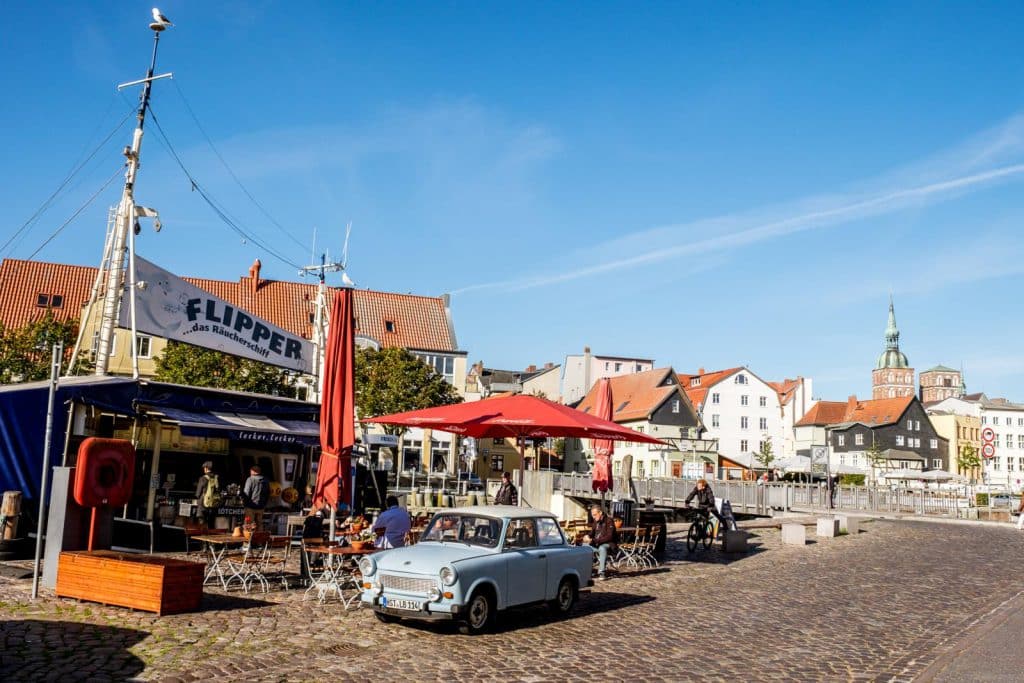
(161, 19)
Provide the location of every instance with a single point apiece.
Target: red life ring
(104, 474)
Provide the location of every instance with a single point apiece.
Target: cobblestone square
(881, 605)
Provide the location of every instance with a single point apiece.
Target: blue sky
(706, 185)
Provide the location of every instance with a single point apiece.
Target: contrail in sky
(872, 205)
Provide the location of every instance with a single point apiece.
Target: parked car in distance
(473, 562)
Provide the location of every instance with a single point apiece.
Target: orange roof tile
(697, 393)
(634, 396)
(404, 320)
(785, 389)
(881, 411)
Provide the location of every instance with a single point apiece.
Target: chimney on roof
(531, 368)
(479, 367)
(254, 276)
(700, 371)
(851, 404)
(548, 366)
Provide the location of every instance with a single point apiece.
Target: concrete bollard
(848, 524)
(794, 534)
(734, 541)
(828, 527)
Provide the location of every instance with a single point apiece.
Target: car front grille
(408, 584)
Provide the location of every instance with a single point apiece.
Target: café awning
(239, 426)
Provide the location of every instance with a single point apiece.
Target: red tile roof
(881, 411)
(785, 389)
(697, 393)
(634, 396)
(416, 322)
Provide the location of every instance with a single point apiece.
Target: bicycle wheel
(709, 534)
(693, 537)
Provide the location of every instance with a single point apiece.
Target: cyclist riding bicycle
(705, 499)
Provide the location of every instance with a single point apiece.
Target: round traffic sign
(988, 434)
(988, 451)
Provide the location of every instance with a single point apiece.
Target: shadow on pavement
(34, 650)
(222, 602)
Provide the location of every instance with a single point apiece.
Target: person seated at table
(312, 530)
(392, 525)
(603, 537)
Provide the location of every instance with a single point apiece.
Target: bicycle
(701, 532)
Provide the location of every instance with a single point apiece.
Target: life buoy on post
(104, 472)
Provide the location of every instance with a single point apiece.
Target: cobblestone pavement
(881, 605)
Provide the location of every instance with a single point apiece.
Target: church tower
(892, 377)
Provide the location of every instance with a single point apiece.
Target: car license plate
(394, 603)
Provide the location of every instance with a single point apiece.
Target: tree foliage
(199, 367)
(25, 352)
(874, 455)
(393, 380)
(765, 456)
(967, 460)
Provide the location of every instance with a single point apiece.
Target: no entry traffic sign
(988, 451)
(988, 435)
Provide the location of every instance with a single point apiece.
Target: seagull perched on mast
(160, 19)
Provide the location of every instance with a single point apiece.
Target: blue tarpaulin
(252, 417)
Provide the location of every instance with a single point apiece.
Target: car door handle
(541, 556)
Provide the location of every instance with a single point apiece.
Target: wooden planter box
(152, 584)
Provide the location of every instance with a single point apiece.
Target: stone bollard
(794, 534)
(828, 527)
(848, 524)
(734, 541)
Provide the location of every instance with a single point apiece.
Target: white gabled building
(1006, 467)
(741, 411)
(794, 402)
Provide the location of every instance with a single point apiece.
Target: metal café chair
(245, 566)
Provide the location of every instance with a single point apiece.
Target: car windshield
(469, 529)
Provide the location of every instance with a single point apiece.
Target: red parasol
(337, 407)
(603, 448)
(520, 416)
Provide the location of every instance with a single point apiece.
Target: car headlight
(378, 587)
(434, 594)
(448, 575)
(367, 566)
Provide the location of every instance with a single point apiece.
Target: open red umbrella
(337, 406)
(523, 417)
(603, 448)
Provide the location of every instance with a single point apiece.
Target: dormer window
(389, 325)
(741, 379)
(675, 406)
(695, 382)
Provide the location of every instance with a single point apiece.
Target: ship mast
(124, 224)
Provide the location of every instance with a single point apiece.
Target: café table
(216, 545)
(338, 573)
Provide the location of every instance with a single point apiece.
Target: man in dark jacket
(507, 493)
(705, 499)
(255, 494)
(603, 537)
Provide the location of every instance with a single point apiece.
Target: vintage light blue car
(473, 562)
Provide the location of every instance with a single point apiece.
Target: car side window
(522, 533)
(548, 532)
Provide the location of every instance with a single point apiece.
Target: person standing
(507, 493)
(392, 525)
(208, 494)
(255, 494)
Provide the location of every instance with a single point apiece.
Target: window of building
(763, 401)
(639, 368)
(607, 365)
(1020, 421)
(695, 381)
(640, 468)
(1009, 440)
(714, 420)
(618, 367)
(42, 300)
(741, 379)
(498, 441)
(1020, 441)
(842, 458)
(675, 406)
(995, 465)
(714, 398)
(937, 463)
(917, 425)
(933, 444)
(1009, 464)
(995, 419)
(617, 468)
(655, 468)
(910, 425)
(917, 442)
(744, 422)
(96, 343)
(744, 399)
(840, 439)
(984, 419)
(743, 445)
(56, 301)
(497, 463)
(763, 423)
(145, 344)
(1020, 463)
(899, 439)
(858, 439)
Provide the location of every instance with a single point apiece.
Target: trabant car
(473, 562)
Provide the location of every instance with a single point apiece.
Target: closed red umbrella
(603, 448)
(520, 416)
(337, 406)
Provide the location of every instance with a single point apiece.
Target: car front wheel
(479, 614)
(565, 598)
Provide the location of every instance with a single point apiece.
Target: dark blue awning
(239, 426)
